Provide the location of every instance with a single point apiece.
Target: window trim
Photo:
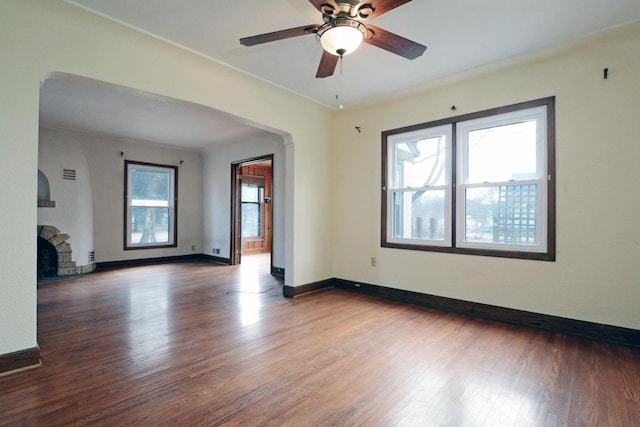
(550, 232)
(127, 216)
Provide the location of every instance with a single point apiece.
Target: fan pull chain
(339, 96)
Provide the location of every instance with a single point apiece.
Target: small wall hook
(605, 73)
(453, 108)
(181, 161)
(122, 154)
(358, 129)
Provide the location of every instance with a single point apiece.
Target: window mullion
(454, 184)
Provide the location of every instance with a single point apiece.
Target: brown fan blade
(327, 65)
(325, 6)
(279, 35)
(394, 43)
(383, 6)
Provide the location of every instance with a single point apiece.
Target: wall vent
(92, 257)
(69, 174)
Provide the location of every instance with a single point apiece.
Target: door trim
(235, 250)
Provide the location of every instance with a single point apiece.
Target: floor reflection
(496, 403)
(149, 324)
(249, 292)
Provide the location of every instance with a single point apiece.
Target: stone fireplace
(74, 213)
(55, 255)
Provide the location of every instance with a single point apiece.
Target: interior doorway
(252, 208)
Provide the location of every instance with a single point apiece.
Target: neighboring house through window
(481, 183)
(150, 205)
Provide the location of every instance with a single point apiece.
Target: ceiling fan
(343, 31)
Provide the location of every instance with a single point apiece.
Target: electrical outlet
(373, 261)
(193, 247)
(216, 251)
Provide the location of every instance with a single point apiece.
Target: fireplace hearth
(47, 259)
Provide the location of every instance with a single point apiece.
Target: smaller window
(150, 205)
(251, 196)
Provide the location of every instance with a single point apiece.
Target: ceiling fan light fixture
(341, 36)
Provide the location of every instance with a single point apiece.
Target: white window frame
(538, 114)
(171, 204)
(418, 135)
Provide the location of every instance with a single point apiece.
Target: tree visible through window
(150, 205)
(419, 186)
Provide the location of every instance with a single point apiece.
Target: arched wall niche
(44, 191)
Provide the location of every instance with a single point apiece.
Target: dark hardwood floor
(201, 344)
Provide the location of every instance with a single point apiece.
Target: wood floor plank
(202, 344)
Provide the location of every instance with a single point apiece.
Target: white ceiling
(460, 35)
(74, 102)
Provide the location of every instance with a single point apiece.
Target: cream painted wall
(37, 38)
(73, 214)
(596, 276)
(217, 192)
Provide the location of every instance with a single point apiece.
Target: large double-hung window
(481, 183)
(150, 205)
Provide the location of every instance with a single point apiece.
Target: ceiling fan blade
(384, 6)
(394, 43)
(327, 65)
(279, 35)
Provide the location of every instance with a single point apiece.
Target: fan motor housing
(351, 9)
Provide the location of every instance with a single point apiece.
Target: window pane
(250, 220)
(147, 185)
(502, 153)
(419, 215)
(150, 225)
(250, 193)
(421, 163)
(501, 215)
